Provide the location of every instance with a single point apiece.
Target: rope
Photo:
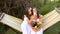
(58, 10)
(1, 16)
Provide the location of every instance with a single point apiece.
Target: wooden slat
(12, 22)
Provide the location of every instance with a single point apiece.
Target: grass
(55, 29)
(10, 31)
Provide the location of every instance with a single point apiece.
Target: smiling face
(29, 11)
(34, 11)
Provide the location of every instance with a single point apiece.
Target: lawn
(55, 29)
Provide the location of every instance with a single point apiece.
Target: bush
(46, 8)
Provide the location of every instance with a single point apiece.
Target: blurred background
(16, 8)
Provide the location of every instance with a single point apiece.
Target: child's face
(29, 11)
(34, 11)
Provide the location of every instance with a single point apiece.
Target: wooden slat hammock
(48, 19)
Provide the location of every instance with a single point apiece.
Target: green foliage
(36, 3)
(47, 8)
(3, 28)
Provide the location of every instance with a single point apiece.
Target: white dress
(27, 30)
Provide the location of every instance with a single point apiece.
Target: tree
(14, 7)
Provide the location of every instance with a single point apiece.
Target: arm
(23, 27)
(30, 22)
(40, 17)
(39, 23)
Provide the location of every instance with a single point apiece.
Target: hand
(40, 18)
(32, 18)
(35, 29)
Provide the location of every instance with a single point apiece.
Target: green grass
(4, 29)
(10, 31)
(55, 29)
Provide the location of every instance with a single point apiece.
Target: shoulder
(24, 23)
(25, 18)
(40, 15)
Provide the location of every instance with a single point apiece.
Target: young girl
(36, 18)
(25, 25)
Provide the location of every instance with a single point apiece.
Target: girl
(36, 18)
(25, 25)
